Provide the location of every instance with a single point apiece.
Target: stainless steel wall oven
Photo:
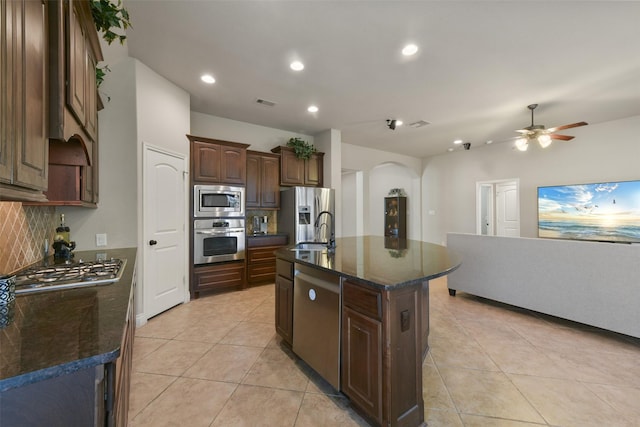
(218, 239)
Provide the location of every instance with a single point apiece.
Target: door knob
(152, 242)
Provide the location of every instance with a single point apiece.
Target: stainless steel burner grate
(72, 274)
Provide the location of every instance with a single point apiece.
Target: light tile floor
(217, 361)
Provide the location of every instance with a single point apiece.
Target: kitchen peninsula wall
(23, 230)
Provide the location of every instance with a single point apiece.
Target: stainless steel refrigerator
(307, 214)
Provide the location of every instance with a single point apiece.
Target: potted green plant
(301, 148)
(108, 16)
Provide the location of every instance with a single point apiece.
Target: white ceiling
(479, 65)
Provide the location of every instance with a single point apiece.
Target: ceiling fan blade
(561, 137)
(572, 125)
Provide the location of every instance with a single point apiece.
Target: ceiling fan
(542, 135)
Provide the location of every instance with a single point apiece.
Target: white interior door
(486, 217)
(507, 210)
(164, 217)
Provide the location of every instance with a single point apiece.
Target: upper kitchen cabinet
(73, 104)
(263, 180)
(23, 99)
(295, 171)
(218, 162)
(75, 51)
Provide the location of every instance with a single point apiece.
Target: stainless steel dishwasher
(316, 321)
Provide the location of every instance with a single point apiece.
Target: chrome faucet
(316, 226)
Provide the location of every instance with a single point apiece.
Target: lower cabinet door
(362, 362)
(284, 308)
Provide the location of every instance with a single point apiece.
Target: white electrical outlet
(101, 239)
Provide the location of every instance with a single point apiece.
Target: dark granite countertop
(258, 235)
(383, 262)
(58, 332)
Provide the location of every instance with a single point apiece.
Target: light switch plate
(101, 239)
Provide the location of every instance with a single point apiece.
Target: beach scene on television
(607, 212)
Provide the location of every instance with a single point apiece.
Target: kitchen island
(382, 311)
(65, 355)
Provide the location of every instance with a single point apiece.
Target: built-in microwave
(218, 201)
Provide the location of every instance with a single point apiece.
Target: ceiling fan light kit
(542, 135)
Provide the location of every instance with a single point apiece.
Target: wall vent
(418, 124)
(265, 102)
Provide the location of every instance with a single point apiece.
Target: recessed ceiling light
(489, 142)
(312, 109)
(449, 149)
(410, 49)
(399, 122)
(208, 78)
(297, 66)
(457, 141)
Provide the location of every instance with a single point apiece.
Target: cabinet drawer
(218, 277)
(362, 299)
(284, 268)
(262, 255)
(261, 272)
(263, 241)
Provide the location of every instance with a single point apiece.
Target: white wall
(116, 214)
(383, 178)
(163, 111)
(140, 106)
(260, 138)
(350, 207)
(382, 171)
(600, 152)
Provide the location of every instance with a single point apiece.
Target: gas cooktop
(70, 274)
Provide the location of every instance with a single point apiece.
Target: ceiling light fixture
(409, 50)
(297, 66)
(312, 109)
(523, 143)
(208, 78)
(457, 141)
(541, 134)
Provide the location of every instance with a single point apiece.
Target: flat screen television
(605, 212)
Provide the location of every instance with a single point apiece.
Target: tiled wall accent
(23, 230)
(272, 225)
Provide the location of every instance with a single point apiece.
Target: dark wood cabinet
(119, 373)
(284, 300)
(261, 259)
(24, 101)
(75, 52)
(263, 180)
(295, 171)
(362, 349)
(73, 102)
(395, 217)
(218, 162)
(382, 347)
(218, 277)
(313, 172)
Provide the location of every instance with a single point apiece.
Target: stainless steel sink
(310, 246)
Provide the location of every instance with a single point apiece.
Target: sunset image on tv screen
(603, 212)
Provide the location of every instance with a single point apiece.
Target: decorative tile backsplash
(23, 230)
(272, 216)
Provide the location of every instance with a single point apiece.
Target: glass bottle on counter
(63, 232)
